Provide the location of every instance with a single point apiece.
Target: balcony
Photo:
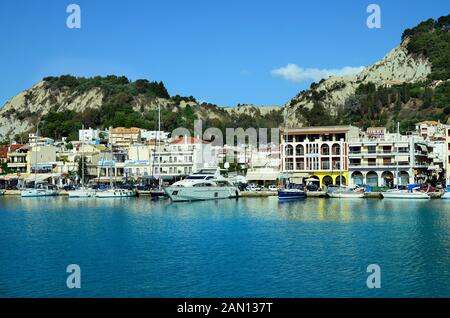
(378, 166)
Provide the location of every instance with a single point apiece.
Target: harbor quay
(318, 158)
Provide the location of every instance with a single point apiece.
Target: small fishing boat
(343, 192)
(405, 194)
(293, 191)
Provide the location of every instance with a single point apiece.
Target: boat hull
(346, 195)
(81, 194)
(291, 195)
(183, 194)
(446, 195)
(38, 193)
(115, 194)
(405, 195)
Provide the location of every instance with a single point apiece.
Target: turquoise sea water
(229, 248)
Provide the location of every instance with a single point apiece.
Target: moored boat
(115, 193)
(82, 193)
(39, 191)
(404, 194)
(290, 194)
(446, 194)
(206, 184)
(345, 193)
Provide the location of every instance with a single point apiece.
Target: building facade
(317, 153)
(124, 137)
(389, 159)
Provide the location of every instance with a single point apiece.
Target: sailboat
(343, 192)
(159, 192)
(403, 194)
(113, 191)
(83, 191)
(39, 190)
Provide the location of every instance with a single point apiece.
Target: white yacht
(206, 184)
(40, 190)
(115, 193)
(404, 194)
(82, 193)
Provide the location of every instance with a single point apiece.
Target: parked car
(273, 188)
(253, 187)
(312, 188)
(69, 188)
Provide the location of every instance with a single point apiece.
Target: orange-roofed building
(124, 137)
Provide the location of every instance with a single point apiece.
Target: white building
(388, 160)
(183, 156)
(318, 153)
(90, 134)
(147, 135)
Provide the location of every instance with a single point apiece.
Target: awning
(262, 176)
(402, 158)
(43, 166)
(37, 177)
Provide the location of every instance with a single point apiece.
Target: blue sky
(223, 52)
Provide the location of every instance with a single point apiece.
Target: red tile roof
(188, 140)
(14, 147)
(3, 151)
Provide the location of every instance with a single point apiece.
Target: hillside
(411, 83)
(61, 105)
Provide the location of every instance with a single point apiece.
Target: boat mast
(82, 158)
(340, 164)
(158, 138)
(285, 145)
(35, 156)
(396, 161)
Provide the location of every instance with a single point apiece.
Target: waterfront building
(181, 157)
(264, 165)
(89, 135)
(147, 135)
(318, 153)
(429, 128)
(17, 158)
(139, 162)
(3, 154)
(35, 140)
(375, 159)
(447, 154)
(67, 163)
(124, 137)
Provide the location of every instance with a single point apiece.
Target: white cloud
(294, 73)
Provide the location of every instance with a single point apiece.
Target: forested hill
(61, 105)
(410, 84)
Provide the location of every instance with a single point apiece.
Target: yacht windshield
(195, 178)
